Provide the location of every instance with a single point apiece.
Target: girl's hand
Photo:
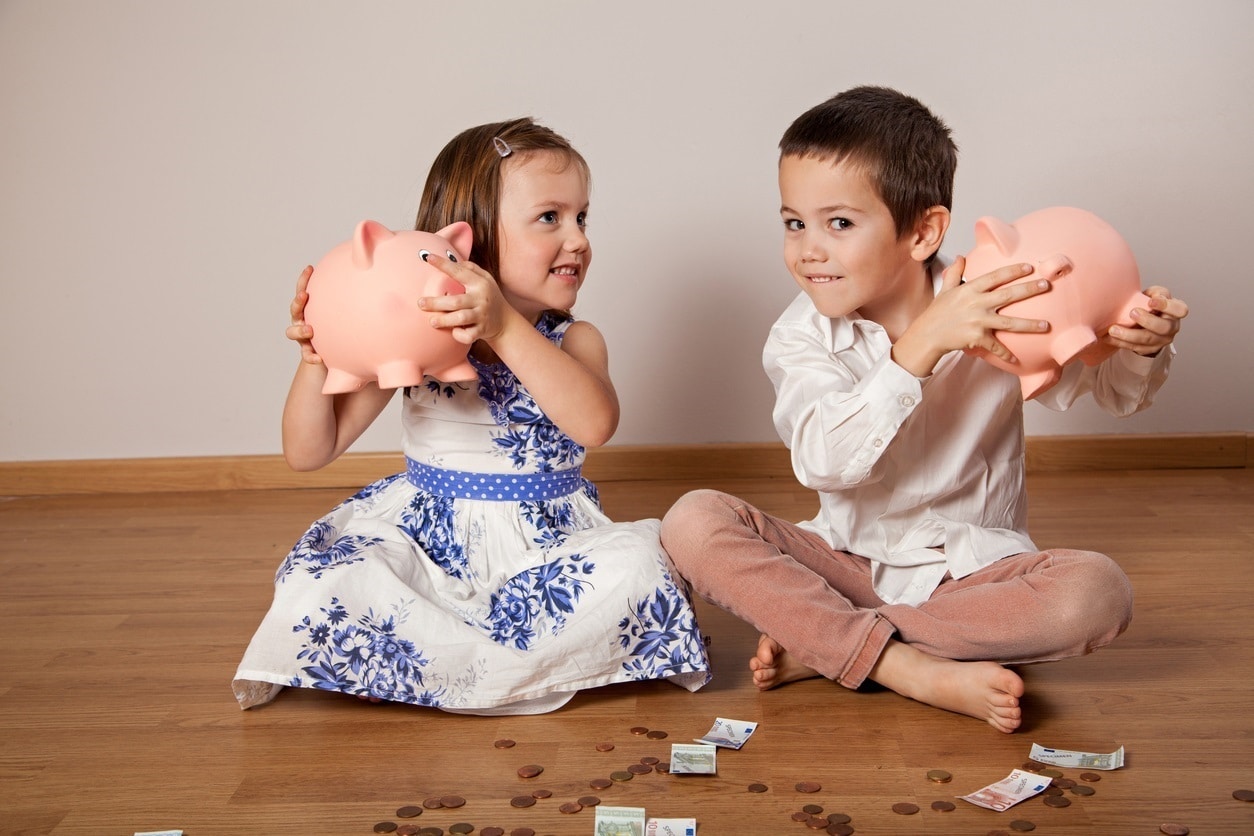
(1155, 328)
(299, 331)
(481, 313)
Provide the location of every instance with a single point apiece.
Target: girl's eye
(452, 256)
(793, 225)
(549, 218)
(582, 220)
(423, 254)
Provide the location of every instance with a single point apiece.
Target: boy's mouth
(821, 279)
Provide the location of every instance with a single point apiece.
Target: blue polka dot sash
(505, 487)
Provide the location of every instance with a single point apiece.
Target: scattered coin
(408, 830)
(1051, 790)
(522, 831)
(433, 804)
(504, 743)
(816, 823)
(1057, 801)
(600, 783)
(452, 802)
(649, 760)
(1064, 783)
(1172, 829)
(943, 806)
(840, 829)
(940, 776)
(905, 808)
(662, 768)
(657, 735)
(813, 809)
(800, 816)
(409, 811)
(639, 769)
(1049, 772)
(838, 818)
(430, 831)
(542, 793)
(589, 801)
(531, 770)
(808, 786)
(461, 827)
(492, 831)
(385, 827)
(621, 776)
(758, 788)
(522, 801)
(1091, 777)
(639, 731)
(570, 807)
(1243, 795)
(1080, 789)
(1022, 826)
(605, 747)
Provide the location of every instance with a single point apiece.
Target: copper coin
(542, 794)
(1174, 829)
(1057, 801)
(808, 786)
(657, 735)
(1022, 826)
(600, 783)
(639, 769)
(939, 776)
(800, 816)
(452, 801)
(1064, 783)
(816, 823)
(492, 831)
(838, 818)
(1091, 777)
(1052, 790)
(433, 804)
(571, 807)
(621, 776)
(408, 830)
(430, 831)
(605, 747)
(1243, 795)
(385, 827)
(409, 811)
(649, 760)
(813, 809)
(522, 831)
(1049, 772)
(841, 829)
(944, 806)
(461, 827)
(1080, 789)
(589, 801)
(531, 770)
(522, 801)
(662, 768)
(504, 743)
(905, 808)
(758, 788)
(639, 731)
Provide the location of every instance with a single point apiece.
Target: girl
(418, 592)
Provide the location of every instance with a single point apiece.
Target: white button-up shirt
(920, 476)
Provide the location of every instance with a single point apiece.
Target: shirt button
(907, 400)
(879, 442)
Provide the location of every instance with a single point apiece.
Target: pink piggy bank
(1095, 281)
(363, 308)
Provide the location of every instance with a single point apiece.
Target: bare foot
(983, 690)
(772, 665)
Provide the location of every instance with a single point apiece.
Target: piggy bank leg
(1069, 344)
(1035, 383)
(398, 373)
(458, 372)
(339, 381)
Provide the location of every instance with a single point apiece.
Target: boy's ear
(929, 233)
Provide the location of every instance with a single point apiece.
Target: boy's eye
(841, 223)
(793, 225)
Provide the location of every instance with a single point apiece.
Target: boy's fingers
(1001, 276)
(1022, 326)
(952, 276)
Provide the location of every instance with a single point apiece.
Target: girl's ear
(929, 233)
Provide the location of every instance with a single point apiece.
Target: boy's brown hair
(464, 183)
(905, 149)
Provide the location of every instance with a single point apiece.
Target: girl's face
(542, 232)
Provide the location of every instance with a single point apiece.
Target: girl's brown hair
(464, 183)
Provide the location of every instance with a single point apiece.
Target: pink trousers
(818, 603)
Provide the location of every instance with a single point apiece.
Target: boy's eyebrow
(822, 210)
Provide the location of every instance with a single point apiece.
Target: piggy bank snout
(1054, 267)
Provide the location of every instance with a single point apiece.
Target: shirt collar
(841, 332)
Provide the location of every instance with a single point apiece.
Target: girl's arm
(317, 428)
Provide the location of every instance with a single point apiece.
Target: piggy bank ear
(999, 234)
(369, 235)
(461, 236)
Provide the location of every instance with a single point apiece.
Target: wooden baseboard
(687, 462)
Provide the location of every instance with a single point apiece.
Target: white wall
(167, 168)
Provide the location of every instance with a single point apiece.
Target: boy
(918, 572)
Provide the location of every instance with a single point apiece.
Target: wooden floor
(123, 618)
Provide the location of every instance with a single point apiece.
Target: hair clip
(502, 147)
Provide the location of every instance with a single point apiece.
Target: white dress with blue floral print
(427, 588)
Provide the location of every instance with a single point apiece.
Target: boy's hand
(1155, 328)
(299, 331)
(965, 315)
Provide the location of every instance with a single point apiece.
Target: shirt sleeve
(1122, 384)
(836, 422)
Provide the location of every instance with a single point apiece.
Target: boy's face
(840, 242)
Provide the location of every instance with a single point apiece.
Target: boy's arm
(836, 423)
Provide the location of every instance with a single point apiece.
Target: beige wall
(166, 169)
